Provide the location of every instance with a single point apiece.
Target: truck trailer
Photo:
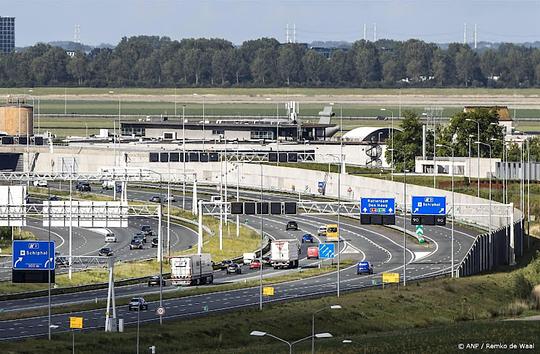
(195, 269)
(285, 253)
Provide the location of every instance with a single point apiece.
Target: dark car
(154, 281)
(147, 230)
(234, 268)
(136, 244)
(53, 198)
(105, 251)
(364, 267)
(382, 118)
(140, 236)
(138, 303)
(155, 199)
(291, 225)
(266, 260)
(308, 238)
(224, 264)
(83, 187)
(155, 242)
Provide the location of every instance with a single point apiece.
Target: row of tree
(461, 134)
(149, 61)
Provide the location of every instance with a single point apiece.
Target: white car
(110, 237)
(172, 199)
(40, 183)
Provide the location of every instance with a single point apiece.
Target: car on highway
(255, 264)
(54, 198)
(155, 242)
(105, 251)
(138, 303)
(41, 183)
(267, 260)
(154, 281)
(248, 257)
(291, 225)
(83, 186)
(322, 230)
(364, 267)
(308, 238)
(136, 244)
(110, 237)
(313, 252)
(224, 264)
(234, 268)
(382, 118)
(147, 230)
(140, 236)
(155, 199)
(170, 198)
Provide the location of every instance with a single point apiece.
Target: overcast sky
(107, 21)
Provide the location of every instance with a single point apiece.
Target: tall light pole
(490, 172)
(262, 246)
(289, 344)
(184, 156)
(478, 139)
(332, 307)
(405, 227)
(470, 137)
(341, 162)
(453, 205)
(392, 142)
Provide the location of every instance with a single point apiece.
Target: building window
(218, 131)
(257, 134)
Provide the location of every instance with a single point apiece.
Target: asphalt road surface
(382, 246)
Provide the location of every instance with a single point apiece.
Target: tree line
(460, 134)
(151, 61)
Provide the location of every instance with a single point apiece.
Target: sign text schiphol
(428, 210)
(33, 255)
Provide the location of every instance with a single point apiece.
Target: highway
(380, 245)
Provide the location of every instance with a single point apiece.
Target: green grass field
(266, 91)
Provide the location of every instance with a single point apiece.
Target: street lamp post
(289, 344)
(478, 161)
(490, 172)
(392, 142)
(405, 227)
(332, 307)
(184, 156)
(453, 205)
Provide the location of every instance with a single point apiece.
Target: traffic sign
(268, 291)
(327, 250)
(33, 255)
(160, 311)
(390, 277)
(382, 206)
(419, 230)
(428, 205)
(76, 322)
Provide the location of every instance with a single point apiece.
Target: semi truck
(195, 269)
(284, 253)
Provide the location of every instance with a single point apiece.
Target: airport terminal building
(165, 129)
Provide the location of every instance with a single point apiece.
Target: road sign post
(327, 250)
(420, 233)
(428, 210)
(378, 211)
(75, 323)
(268, 291)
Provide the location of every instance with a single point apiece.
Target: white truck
(284, 253)
(195, 269)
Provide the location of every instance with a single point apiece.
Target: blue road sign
(33, 255)
(327, 250)
(384, 206)
(428, 205)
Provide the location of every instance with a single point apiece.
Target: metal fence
(493, 250)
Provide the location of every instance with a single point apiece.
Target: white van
(248, 257)
(321, 231)
(108, 185)
(110, 237)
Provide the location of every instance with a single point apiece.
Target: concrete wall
(470, 167)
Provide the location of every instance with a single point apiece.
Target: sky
(107, 21)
